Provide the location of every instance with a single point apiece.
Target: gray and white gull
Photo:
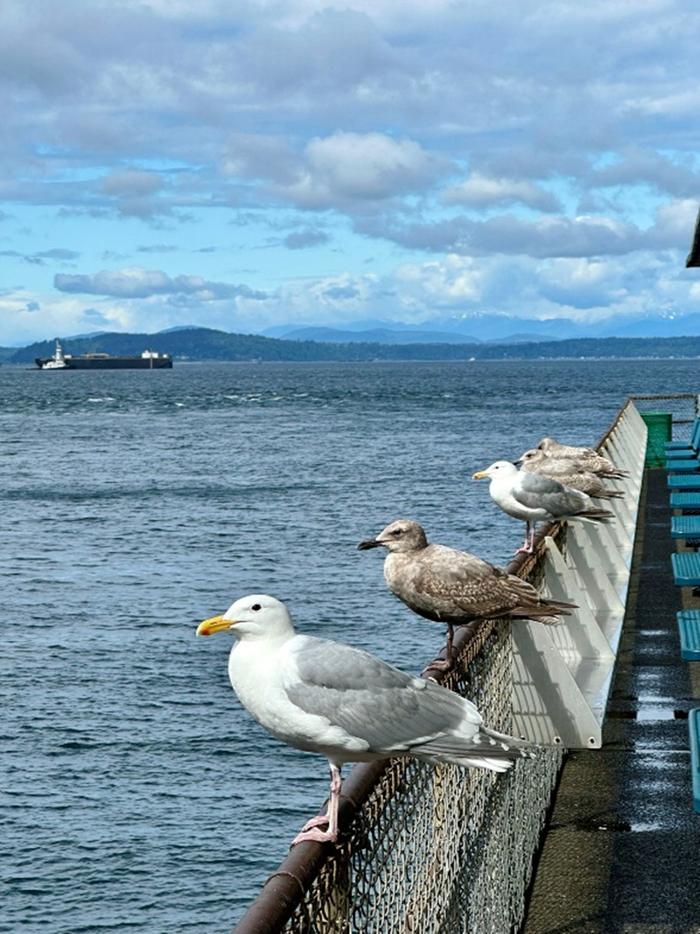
(533, 498)
(348, 705)
(587, 457)
(567, 471)
(454, 587)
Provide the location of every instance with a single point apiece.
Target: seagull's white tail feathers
(493, 765)
(475, 748)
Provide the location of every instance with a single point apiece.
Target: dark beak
(518, 463)
(370, 543)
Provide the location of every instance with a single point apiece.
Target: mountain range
(483, 327)
(208, 344)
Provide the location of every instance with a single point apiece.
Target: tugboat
(148, 360)
(57, 362)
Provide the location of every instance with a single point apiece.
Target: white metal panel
(562, 673)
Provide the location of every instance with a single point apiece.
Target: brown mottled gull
(533, 498)
(588, 457)
(567, 471)
(454, 587)
(348, 705)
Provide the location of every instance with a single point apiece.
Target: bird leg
(443, 664)
(528, 545)
(310, 830)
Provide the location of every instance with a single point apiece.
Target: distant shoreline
(205, 345)
(9, 365)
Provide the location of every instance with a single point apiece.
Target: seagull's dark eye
(397, 532)
(256, 607)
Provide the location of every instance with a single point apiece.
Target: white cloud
(454, 280)
(350, 167)
(482, 191)
(120, 115)
(137, 282)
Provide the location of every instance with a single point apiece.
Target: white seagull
(348, 705)
(533, 498)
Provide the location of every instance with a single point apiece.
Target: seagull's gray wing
(370, 700)
(539, 492)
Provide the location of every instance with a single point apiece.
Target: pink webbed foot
(525, 550)
(439, 664)
(320, 820)
(311, 829)
(318, 836)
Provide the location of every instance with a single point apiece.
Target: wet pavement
(621, 854)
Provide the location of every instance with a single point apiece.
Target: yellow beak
(214, 624)
(479, 475)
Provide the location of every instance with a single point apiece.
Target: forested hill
(208, 344)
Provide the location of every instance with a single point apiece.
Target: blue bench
(685, 527)
(689, 632)
(694, 730)
(682, 465)
(671, 447)
(683, 481)
(686, 568)
(685, 500)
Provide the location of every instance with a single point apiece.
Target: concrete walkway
(622, 850)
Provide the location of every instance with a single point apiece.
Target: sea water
(136, 794)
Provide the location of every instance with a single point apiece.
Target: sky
(259, 163)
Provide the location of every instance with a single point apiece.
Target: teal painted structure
(685, 527)
(682, 448)
(686, 568)
(685, 501)
(694, 729)
(684, 481)
(659, 432)
(689, 632)
(682, 464)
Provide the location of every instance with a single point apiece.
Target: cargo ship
(148, 360)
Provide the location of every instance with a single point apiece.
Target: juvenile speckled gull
(568, 471)
(534, 498)
(454, 587)
(347, 705)
(588, 457)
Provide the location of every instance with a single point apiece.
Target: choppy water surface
(137, 795)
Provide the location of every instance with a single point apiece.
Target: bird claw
(319, 821)
(316, 835)
(438, 664)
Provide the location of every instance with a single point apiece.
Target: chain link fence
(432, 849)
(436, 849)
(684, 407)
